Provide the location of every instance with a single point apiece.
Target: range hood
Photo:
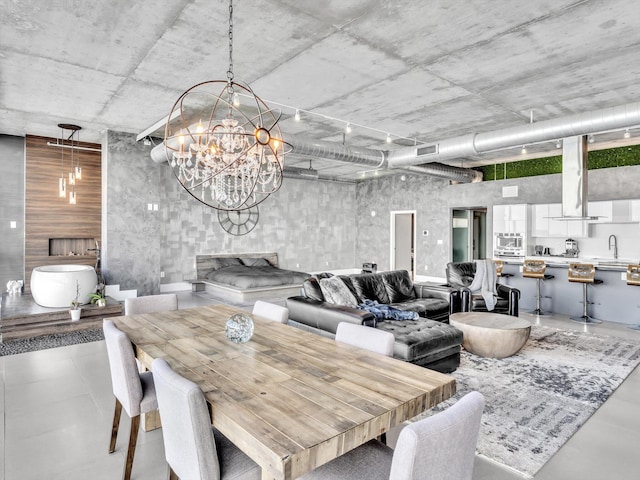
(574, 179)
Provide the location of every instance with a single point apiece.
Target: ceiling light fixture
(388, 138)
(524, 149)
(591, 139)
(558, 144)
(347, 129)
(296, 117)
(627, 133)
(226, 156)
(75, 170)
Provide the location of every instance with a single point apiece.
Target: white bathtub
(55, 285)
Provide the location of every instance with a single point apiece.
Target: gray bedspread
(245, 277)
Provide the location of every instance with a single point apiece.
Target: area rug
(537, 399)
(13, 347)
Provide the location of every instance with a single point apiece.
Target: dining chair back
(271, 311)
(190, 445)
(369, 338)
(440, 447)
(133, 391)
(151, 303)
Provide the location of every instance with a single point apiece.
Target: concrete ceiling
(421, 71)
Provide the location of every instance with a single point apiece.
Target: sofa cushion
(370, 286)
(419, 338)
(312, 289)
(398, 285)
(432, 308)
(336, 292)
(479, 305)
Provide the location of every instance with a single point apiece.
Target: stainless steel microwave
(511, 244)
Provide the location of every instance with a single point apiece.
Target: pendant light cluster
(226, 155)
(67, 182)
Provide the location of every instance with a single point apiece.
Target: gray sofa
(428, 341)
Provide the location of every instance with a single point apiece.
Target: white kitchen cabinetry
(510, 219)
(544, 223)
(602, 210)
(615, 211)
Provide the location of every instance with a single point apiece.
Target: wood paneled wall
(49, 216)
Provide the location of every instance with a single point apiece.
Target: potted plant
(98, 298)
(75, 309)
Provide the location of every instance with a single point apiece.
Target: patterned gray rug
(537, 399)
(13, 347)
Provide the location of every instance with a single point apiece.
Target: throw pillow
(335, 291)
(220, 262)
(255, 262)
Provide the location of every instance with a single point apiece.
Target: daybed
(428, 341)
(246, 277)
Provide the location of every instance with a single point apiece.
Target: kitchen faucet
(615, 246)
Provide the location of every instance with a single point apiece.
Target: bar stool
(633, 278)
(584, 273)
(499, 270)
(535, 269)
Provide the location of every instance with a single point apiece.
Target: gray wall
(131, 234)
(11, 209)
(310, 224)
(434, 198)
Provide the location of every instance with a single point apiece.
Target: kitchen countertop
(600, 263)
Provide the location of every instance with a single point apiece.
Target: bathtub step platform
(22, 317)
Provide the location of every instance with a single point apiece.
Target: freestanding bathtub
(55, 285)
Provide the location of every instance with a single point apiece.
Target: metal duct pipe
(457, 174)
(548, 130)
(335, 151)
(355, 155)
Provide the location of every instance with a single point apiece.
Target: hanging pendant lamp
(224, 143)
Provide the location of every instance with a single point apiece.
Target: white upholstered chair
(193, 449)
(439, 447)
(270, 311)
(151, 303)
(369, 338)
(134, 391)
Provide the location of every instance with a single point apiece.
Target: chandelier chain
(230, 71)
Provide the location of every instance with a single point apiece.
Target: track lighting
(388, 138)
(347, 129)
(591, 139)
(627, 133)
(558, 144)
(524, 149)
(296, 117)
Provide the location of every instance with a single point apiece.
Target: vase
(101, 302)
(239, 328)
(75, 314)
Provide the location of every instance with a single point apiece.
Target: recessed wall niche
(71, 247)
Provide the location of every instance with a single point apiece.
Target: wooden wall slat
(49, 216)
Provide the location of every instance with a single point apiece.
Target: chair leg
(172, 474)
(114, 428)
(133, 438)
(585, 318)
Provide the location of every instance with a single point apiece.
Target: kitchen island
(614, 300)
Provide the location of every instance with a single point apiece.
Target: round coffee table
(491, 334)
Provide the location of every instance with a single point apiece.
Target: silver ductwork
(348, 154)
(475, 144)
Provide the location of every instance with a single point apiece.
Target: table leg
(151, 421)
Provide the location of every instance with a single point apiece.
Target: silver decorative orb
(239, 328)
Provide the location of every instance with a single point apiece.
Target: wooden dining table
(290, 399)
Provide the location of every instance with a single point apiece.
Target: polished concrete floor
(57, 407)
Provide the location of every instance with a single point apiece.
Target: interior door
(403, 235)
(468, 235)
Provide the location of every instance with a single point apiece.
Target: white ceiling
(416, 69)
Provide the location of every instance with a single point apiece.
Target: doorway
(468, 234)
(403, 240)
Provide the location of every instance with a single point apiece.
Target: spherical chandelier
(226, 151)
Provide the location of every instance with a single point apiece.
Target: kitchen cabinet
(510, 219)
(544, 223)
(615, 211)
